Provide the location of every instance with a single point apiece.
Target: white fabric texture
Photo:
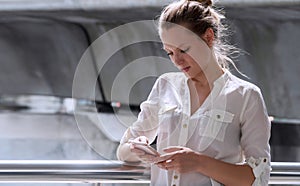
(260, 167)
(231, 125)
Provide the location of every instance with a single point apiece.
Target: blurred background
(42, 43)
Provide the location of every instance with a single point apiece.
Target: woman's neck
(208, 76)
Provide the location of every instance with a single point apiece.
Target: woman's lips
(186, 69)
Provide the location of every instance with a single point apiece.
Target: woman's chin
(187, 75)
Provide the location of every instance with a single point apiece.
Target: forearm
(226, 173)
(124, 153)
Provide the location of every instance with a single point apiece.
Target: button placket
(183, 136)
(176, 178)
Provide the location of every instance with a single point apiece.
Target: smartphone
(146, 148)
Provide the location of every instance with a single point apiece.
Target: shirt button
(218, 116)
(265, 160)
(184, 125)
(175, 177)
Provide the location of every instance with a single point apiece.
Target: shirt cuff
(261, 170)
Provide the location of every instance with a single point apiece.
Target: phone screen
(145, 147)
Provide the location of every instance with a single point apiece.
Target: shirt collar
(220, 81)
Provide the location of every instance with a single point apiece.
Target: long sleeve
(145, 125)
(255, 134)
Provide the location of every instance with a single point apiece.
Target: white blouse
(231, 125)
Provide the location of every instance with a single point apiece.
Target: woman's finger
(137, 151)
(161, 165)
(148, 158)
(143, 139)
(166, 157)
(172, 149)
(170, 165)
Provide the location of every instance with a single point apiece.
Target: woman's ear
(209, 37)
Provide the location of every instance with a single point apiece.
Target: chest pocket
(213, 126)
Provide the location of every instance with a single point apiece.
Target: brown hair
(198, 16)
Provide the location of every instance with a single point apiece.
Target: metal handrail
(106, 171)
(73, 171)
(285, 173)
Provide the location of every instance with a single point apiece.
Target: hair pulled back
(198, 16)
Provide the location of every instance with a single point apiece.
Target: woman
(212, 128)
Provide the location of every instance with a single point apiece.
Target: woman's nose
(178, 59)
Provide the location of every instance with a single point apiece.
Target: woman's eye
(169, 53)
(186, 50)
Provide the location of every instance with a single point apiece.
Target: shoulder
(243, 90)
(242, 86)
(247, 95)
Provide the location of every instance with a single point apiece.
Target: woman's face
(188, 52)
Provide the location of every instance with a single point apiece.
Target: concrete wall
(270, 37)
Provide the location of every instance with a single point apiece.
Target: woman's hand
(179, 159)
(147, 158)
(183, 160)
